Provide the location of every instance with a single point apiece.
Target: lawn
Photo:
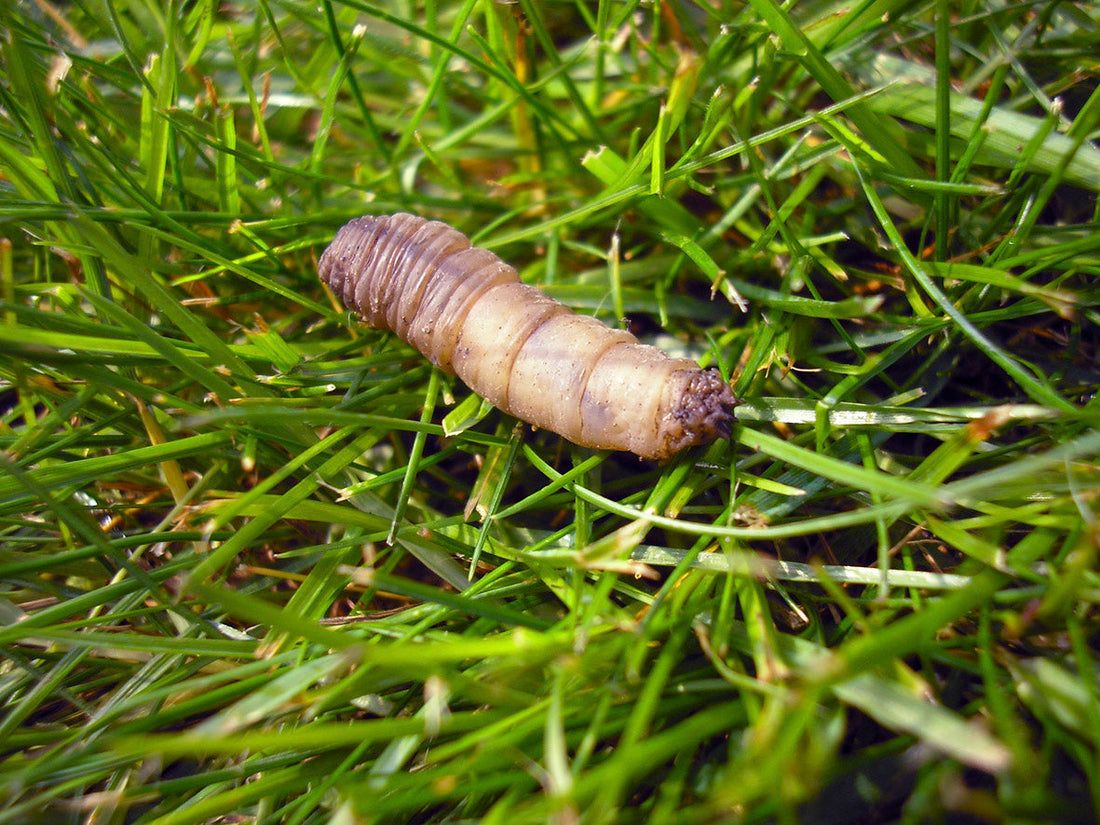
(263, 563)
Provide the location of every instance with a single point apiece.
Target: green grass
(261, 563)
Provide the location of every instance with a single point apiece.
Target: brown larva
(469, 314)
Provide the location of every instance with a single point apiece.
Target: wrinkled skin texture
(468, 313)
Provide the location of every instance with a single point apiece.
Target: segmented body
(467, 311)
